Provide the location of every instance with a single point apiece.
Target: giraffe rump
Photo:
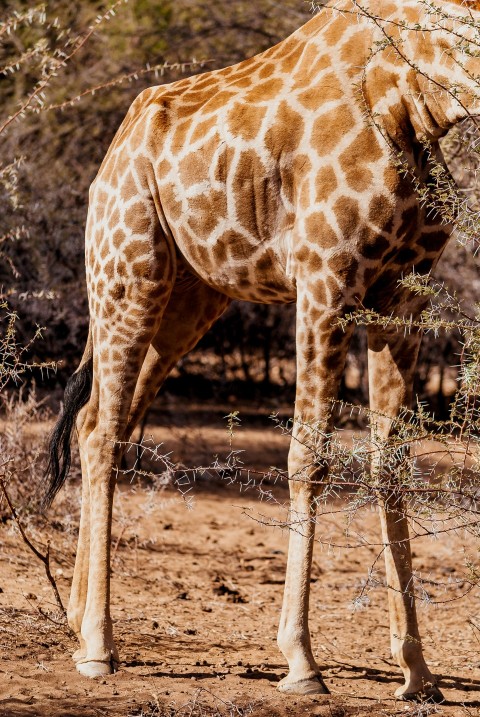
(77, 393)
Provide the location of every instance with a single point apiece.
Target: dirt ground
(196, 596)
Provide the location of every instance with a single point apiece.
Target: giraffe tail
(77, 392)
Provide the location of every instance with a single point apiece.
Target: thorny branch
(44, 558)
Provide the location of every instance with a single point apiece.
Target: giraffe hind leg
(179, 331)
(100, 446)
(131, 270)
(192, 309)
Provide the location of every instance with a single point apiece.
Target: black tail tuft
(77, 393)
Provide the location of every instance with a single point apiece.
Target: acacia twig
(45, 559)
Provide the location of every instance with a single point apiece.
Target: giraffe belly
(256, 273)
(230, 219)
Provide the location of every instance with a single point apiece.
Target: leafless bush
(22, 445)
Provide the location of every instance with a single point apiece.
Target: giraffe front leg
(321, 352)
(293, 633)
(391, 365)
(405, 640)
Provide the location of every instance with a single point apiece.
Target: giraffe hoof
(429, 693)
(79, 654)
(310, 686)
(97, 668)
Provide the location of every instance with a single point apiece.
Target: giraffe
(270, 181)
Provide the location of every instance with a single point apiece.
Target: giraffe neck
(421, 82)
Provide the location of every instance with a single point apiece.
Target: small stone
(30, 596)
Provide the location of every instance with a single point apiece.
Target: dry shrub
(22, 446)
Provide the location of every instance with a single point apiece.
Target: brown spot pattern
(330, 127)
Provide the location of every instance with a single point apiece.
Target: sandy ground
(196, 597)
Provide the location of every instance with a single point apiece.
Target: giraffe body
(267, 181)
(247, 166)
